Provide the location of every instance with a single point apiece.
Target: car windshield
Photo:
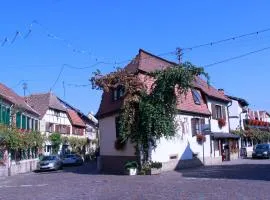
(262, 146)
(47, 158)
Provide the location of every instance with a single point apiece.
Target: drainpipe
(230, 104)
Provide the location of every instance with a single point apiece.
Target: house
(55, 117)
(90, 122)
(237, 112)
(201, 112)
(15, 112)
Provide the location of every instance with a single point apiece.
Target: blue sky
(113, 31)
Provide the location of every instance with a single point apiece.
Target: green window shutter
(0, 113)
(28, 123)
(18, 120)
(8, 116)
(4, 114)
(23, 122)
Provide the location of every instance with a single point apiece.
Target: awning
(221, 135)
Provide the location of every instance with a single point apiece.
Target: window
(196, 96)
(218, 112)
(197, 125)
(118, 93)
(49, 127)
(117, 126)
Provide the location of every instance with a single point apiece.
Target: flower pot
(132, 171)
(155, 171)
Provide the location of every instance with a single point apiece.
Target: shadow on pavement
(238, 171)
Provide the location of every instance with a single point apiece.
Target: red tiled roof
(74, 118)
(186, 103)
(42, 102)
(14, 98)
(147, 62)
(209, 90)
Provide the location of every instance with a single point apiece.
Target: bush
(156, 165)
(131, 165)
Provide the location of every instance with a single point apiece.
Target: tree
(56, 140)
(148, 114)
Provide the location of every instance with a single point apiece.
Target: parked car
(261, 151)
(51, 162)
(72, 159)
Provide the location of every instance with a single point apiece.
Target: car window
(48, 158)
(262, 146)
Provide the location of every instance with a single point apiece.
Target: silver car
(72, 159)
(52, 162)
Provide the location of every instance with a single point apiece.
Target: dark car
(52, 162)
(261, 151)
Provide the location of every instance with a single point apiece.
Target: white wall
(108, 137)
(183, 145)
(214, 123)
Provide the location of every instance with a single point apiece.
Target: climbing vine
(148, 114)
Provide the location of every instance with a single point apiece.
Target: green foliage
(16, 139)
(148, 114)
(131, 165)
(56, 140)
(156, 165)
(77, 143)
(256, 134)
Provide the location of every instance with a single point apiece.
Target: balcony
(253, 123)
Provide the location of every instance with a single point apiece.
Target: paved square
(242, 179)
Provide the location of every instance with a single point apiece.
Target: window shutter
(18, 120)
(214, 112)
(193, 126)
(8, 116)
(223, 112)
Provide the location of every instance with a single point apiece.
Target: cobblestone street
(242, 179)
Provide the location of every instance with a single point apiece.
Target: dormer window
(196, 96)
(118, 93)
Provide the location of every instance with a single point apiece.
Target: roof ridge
(158, 57)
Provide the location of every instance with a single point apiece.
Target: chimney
(221, 91)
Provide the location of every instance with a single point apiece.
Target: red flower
(221, 123)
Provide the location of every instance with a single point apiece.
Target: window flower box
(200, 138)
(221, 123)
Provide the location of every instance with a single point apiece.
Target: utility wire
(237, 57)
(55, 82)
(226, 39)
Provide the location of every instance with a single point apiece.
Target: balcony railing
(256, 123)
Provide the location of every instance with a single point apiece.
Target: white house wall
(108, 137)
(52, 118)
(183, 145)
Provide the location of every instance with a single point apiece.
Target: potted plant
(131, 167)
(221, 123)
(200, 138)
(156, 167)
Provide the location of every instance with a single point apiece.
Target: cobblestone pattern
(244, 179)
